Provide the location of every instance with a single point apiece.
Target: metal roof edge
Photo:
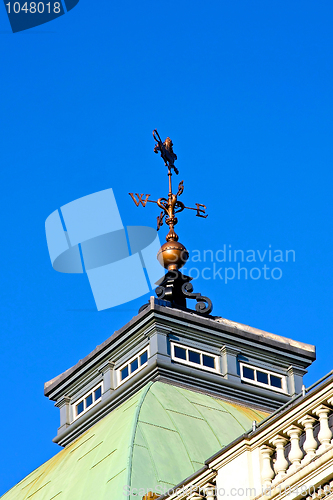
(53, 383)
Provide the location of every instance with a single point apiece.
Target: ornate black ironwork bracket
(175, 288)
(204, 305)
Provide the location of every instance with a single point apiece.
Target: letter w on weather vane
(171, 205)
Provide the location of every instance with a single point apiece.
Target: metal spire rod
(174, 287)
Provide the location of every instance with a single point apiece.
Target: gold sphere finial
(172, 255)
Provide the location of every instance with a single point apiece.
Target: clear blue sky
(245, 91)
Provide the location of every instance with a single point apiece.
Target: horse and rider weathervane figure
(174, 287)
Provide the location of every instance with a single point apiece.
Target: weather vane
(175, 287)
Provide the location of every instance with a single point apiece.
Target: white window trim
(260, 384)
(128, 362)
(74, 405)
(190, 363)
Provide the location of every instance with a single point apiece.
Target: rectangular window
(98, 393)
(208, 361)
(133, 365)
(124, 373)
(193, 357)
(180, 353)
(143, 358)
(79, 408)
(87, 401)
(248, 373)
(276, 381)
(263, 378)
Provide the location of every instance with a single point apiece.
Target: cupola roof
(154, 439)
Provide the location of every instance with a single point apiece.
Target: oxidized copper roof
(158, 437)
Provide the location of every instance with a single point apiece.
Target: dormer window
(131, 367)
(194, 357)
(263, 378)
(87, 401)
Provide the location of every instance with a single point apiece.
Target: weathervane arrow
(171, 205)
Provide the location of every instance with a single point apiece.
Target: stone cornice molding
(108, 365)
(64, 400)
(296, 370)
(228, 349)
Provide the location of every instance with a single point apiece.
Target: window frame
(268, 386)
(186, 361)
(129, 362)
(83, 398)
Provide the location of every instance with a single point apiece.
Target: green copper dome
(155, 439)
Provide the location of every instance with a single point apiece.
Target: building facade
(176, 405)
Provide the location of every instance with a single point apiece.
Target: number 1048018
(33, 7)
